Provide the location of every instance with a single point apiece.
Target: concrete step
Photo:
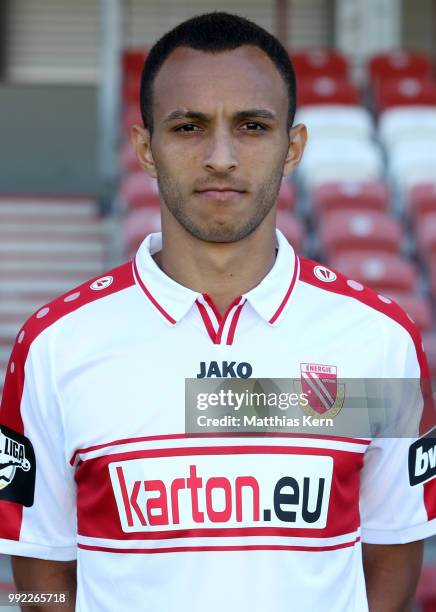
(85, 268)
(75, 276)
(23, 308)
(11, 248)
(21, 208)
(90, 227)
(53, 286)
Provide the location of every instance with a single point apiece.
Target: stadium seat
(133, 61)
(405, 92)
(138, 190)
(416, 306)
(383, 272)
(287, 195)
(412, 163)
(292, 228)
(425, 235)
(349, 230)
(327, 160)
(399, 63)
(326, 90)
(349, 195)
(421, 200)
(137, 225)
(407, 123)
(336, 121)
(319, 63)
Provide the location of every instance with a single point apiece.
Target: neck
(222, 270)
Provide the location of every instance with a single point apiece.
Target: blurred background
(74, 202)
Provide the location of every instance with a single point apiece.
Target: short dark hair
(213, 33)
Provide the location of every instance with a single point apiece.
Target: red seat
(133, 61)
(370, 195)
(399, 63)
(416, 306)
(292, 228)
(421, 200)
(326, 90)
(287, 196)
(320, 62)
(132, 64)
(425, 235)
(363, 230)
(405, 92)
(383, 272)
(138, 190)
(137, 225)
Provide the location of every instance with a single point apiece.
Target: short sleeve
(395, 508)
(37, 488)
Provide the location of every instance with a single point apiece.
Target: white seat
(336, 121)
(328, 160)
(407, 123)
(411, 163)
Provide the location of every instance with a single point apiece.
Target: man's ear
(297, 142)
(140, 139)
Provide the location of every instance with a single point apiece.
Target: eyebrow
(198, 116)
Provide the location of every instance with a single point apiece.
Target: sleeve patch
(422, 459)
(17, 468)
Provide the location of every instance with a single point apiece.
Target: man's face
(220, 140)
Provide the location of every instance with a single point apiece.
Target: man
(96, 380)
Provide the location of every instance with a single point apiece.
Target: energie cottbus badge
(320, 384)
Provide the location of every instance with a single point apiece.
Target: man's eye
(187, 127)
(253, 126)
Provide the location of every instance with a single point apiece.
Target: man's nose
(220, 154)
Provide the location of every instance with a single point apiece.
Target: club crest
(320, 384)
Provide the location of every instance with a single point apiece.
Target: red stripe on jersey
(285, 300)
(10, 410)
(207, 322)
(224, 319)
(218, 548)
(153, 300)
(232, 329)
(212, 304)
(181, 436)
(98, 514)
(216, 336)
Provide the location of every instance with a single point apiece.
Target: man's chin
(221, 234)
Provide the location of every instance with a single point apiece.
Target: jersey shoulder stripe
(345, 286)
(94, 289)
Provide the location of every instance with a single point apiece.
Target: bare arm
(392, 573)
(46, 577)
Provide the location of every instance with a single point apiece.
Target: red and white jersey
(93, 414)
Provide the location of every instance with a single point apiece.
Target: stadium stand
(47, 246)
(350, 195)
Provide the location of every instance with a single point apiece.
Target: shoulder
(96, 289)
(330, 281)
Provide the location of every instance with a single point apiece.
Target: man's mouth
(220, 194)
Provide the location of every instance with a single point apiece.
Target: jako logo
(422, 459)
(185, 492)
(228, 369)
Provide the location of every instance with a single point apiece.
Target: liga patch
(17, 468)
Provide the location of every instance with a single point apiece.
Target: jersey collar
(269, 298)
